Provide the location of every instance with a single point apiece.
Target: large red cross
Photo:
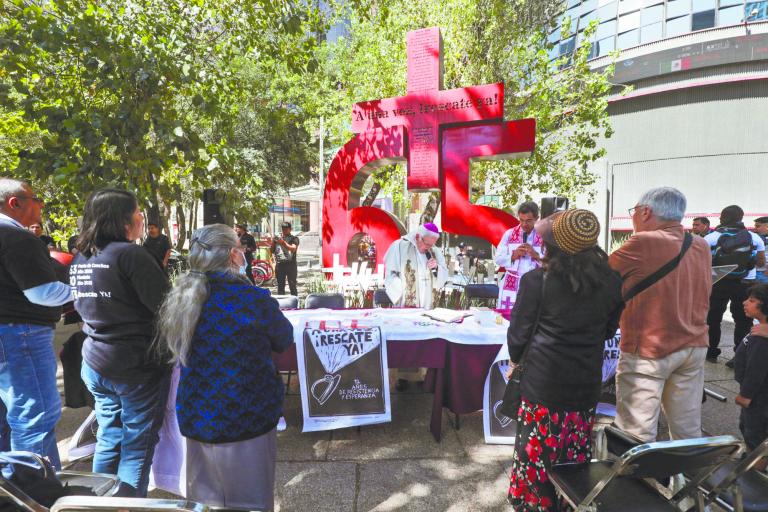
(426, 108)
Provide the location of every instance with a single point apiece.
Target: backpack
(734, 247)
(34, 476)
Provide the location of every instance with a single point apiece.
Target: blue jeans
(129, 416)
(30, 405)
(762, 277)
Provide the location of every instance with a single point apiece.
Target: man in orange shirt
(664, 327)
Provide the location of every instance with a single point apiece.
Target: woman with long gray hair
(222, 330)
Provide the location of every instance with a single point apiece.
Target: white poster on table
(500, 429)
(343, 375)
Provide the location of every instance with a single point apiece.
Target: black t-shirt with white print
(117, 293)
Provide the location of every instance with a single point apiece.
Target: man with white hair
(667, 276)
(413, 269)
(30, 305)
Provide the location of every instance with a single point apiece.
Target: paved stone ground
(398, 466)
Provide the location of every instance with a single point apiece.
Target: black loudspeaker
(212, 207)
(550, 205)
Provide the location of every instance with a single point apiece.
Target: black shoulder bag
(511, 402)
(663, 271)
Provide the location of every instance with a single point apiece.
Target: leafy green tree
(155, 96)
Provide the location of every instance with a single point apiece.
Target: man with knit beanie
(664, 326)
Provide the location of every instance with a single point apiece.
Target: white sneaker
(281, 424)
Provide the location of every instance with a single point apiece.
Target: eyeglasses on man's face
(634, 209)
(32, 198)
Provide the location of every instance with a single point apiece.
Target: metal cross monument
(438, 133)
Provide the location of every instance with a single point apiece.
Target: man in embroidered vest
(413, 269)
(519, 251)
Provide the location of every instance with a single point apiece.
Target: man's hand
(510, 370)
(743, 402)
(519, 252)
(431, 263)
(760, 330)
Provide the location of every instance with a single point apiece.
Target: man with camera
(284, 248)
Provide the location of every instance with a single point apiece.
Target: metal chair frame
(631, 461)
(11, 490)
(97, 503)
(730, 482)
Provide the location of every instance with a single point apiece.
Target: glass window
(730, 15)
(572, 3)
(628, 39)
(605, 29)
(574, 15)
(703, 5)
(601, 3)
(678, 26)
(554, 36)
(573, 12)
(554, 52)
(724, 3)
(628, 5)
(754, 11)
(652, 32)
(567, 46)
(607, 12)
(629, 21)
(678, 8)
(584, 21)
(702, 20)
(648, 3)
(605, 46)
(588, 5)
(652, 14)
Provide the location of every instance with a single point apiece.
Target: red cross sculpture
(438, 133)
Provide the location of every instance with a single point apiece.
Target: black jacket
(563, 367)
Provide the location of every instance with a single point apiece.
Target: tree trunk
(192, 218)
(165, 220)
(428, 215)
(372, 194)
(181, 219)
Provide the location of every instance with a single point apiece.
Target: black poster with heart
(499, 425)
(344, 378)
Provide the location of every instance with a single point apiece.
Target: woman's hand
(511, 369)
(743, 402)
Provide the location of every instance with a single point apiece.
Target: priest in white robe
(413, 270)
(521, 250)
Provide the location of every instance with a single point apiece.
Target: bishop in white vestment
(413, 270)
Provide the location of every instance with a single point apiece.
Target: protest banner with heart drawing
(499, 429)
(343, 375)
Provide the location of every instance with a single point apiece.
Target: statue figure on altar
(520, 250)
(413, 269)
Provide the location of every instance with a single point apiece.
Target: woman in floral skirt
(577, 300)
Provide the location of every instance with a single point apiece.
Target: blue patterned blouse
(230, 390)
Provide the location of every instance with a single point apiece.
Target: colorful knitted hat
(575, 230)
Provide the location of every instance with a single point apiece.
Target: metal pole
(320, 177)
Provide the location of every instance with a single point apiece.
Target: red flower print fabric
(545, 437)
